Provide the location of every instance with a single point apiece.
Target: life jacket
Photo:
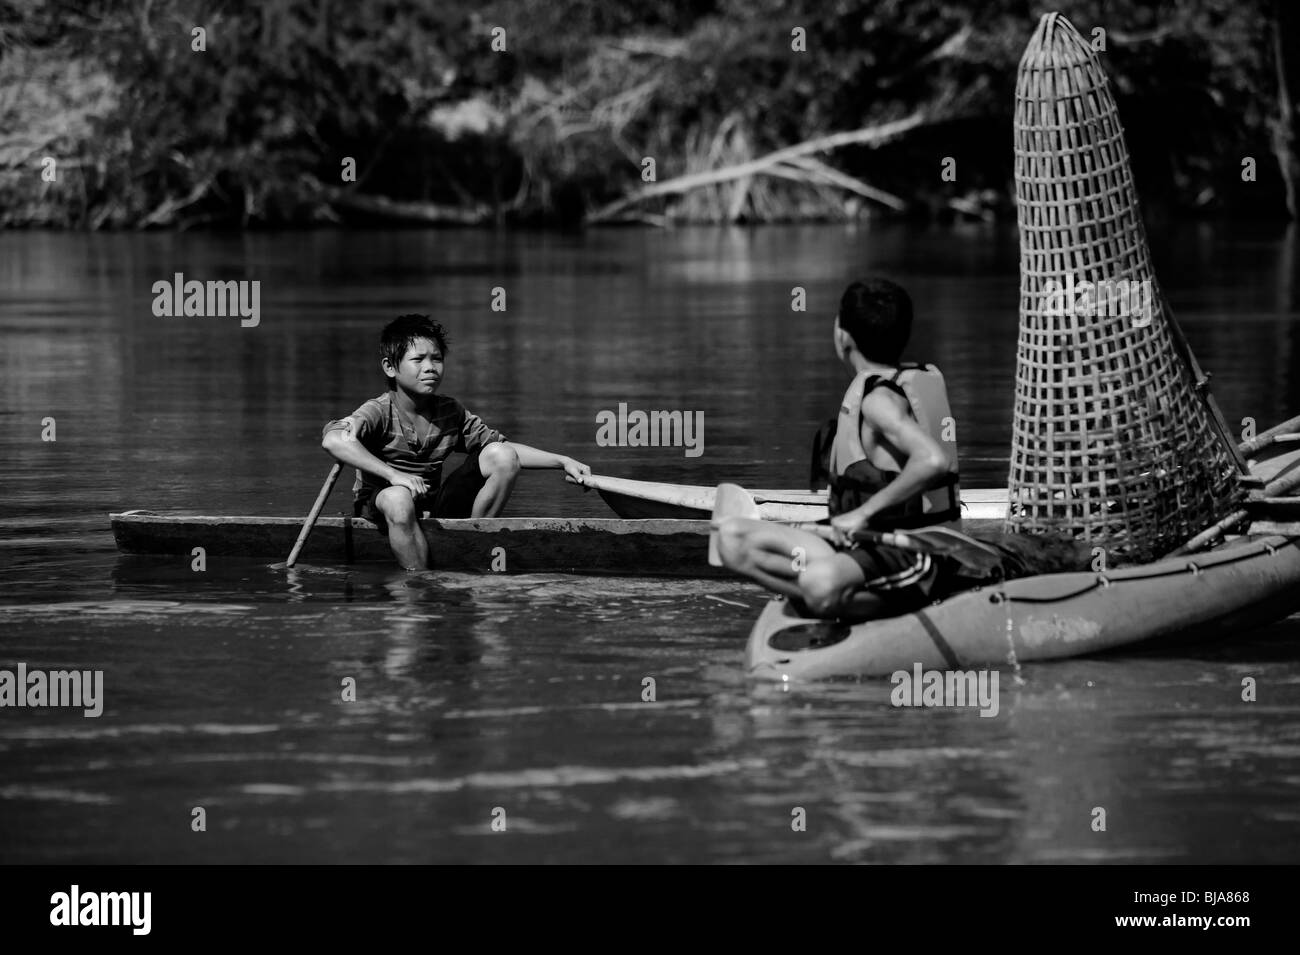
(840, 460)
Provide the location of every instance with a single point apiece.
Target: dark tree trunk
(1286, 47)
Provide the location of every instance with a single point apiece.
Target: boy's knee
(498, 458)
(397, 505)
(823, 589)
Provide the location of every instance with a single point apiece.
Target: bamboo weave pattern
(1110, 442)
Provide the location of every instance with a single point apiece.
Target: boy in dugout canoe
(399, 441)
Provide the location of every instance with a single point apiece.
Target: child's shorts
(454, 497)
(904, 580)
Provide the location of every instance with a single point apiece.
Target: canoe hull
(1246, 583)
(526, 545)
(516, 545)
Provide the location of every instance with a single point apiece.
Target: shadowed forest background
(254, 130)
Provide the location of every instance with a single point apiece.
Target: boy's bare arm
(342, 443)
(530, 457)
(926, 459)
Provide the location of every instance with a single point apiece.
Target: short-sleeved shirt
(387, 434)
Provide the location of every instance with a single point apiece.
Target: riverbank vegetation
(117, 114)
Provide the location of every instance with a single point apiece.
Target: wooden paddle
(732, 500)
(310, 522)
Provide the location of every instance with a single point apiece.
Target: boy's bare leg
(410, 546)
(834, 589)
(796, 564)
(499, 463)
(770, 554)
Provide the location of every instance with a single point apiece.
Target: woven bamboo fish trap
(1111, 442)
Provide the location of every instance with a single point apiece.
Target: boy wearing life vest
(889, 465)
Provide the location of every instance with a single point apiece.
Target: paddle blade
(730, 500)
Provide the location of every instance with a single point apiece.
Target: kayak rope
(1003, 597)
(1101, 581)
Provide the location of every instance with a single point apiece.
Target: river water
(518, 699)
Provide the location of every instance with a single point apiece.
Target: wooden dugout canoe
(667, 547)
(523, 544)
(574, 545)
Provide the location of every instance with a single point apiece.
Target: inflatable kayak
(1246, 582)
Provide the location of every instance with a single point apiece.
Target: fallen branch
(400, 210)
(845, 181)
(871, 135)
(808, 172)
(801, 176)
(652, 46)
(166, 211)
(739, 196)
(971, 208)
(1146, 36)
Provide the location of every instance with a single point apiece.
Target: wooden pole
(1267, 438)
(1279, 487)
(310, 522)
(1201, 386)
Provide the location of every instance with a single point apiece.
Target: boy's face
(420, 370)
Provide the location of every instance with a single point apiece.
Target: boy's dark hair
(401, 332)
(877, 315)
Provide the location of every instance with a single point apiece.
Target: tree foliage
(252, 130)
